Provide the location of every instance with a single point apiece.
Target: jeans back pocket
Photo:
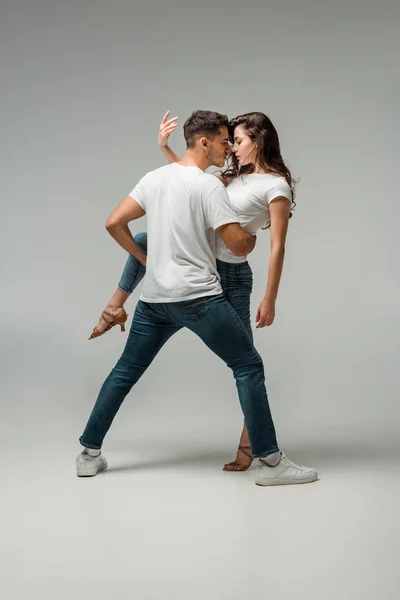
(193, 309)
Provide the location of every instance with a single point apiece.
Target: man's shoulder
(208, 183)
(154, 173)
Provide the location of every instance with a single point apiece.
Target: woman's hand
(265, 313)
(166, 128)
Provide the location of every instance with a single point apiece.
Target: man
(184, 207)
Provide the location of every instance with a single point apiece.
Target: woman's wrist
(270, 297)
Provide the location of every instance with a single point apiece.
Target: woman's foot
(243, 460)
(111, 316)
(112, 311)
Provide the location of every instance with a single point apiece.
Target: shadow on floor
(318, 453)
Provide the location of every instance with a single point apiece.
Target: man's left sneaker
(285, 473)
(88, 466)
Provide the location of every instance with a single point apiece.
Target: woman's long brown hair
(261, 130)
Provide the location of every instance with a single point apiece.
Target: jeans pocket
(145, 308)
(193, 309)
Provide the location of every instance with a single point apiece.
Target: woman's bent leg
(133, 271)
(131, 276)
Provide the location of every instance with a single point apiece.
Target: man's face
(219, 148)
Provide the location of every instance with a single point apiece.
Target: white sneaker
(88, 466)
(285, 473)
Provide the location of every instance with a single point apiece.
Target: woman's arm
(166, 128)
(279, 210)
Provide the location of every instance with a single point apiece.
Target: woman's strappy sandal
(111, 320)
(236, 466)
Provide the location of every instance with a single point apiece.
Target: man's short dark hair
(203, 123)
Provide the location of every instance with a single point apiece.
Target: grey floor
(164, 522)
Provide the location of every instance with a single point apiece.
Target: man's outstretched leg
(151, 328)
(214, 320)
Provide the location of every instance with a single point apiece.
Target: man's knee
(126, 374)
(141, 240)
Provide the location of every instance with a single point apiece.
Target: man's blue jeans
(216, 322)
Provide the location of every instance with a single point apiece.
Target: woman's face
(244, 148)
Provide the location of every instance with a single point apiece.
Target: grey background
(84, 85)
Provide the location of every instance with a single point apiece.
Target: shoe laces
(290, 463)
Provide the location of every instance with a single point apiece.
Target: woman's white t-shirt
(250, 196)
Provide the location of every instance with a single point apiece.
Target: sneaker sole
(81, 472)
(266, 482)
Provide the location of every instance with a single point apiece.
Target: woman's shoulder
(279, 188)
(268, 181)
(270, 186)
(280, 182)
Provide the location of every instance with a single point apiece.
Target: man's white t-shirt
(183, 206)
(250, 196)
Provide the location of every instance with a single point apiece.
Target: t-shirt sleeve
(281, 188)
(139, 193)
(217, 208)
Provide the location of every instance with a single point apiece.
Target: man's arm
(117, 227)
(236, 238)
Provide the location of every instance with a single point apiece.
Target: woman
(260, 188)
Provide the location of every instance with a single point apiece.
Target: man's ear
(204, 143)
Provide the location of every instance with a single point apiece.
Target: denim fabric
(133, 272)
(214, 320)
(236, 281)
(237, 285)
